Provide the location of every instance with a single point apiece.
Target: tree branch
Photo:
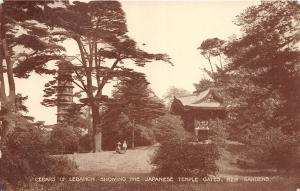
(105, 78)
(77, 59)
(81, 50)
(80, 79)
(79, 85)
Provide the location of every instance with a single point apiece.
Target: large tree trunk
(10, 75)
(2, 82)
(2, 96)
(89, 117)
(4, 55)
(88, 64)
(10, 100)
(97, 134)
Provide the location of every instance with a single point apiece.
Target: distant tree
(75, 117)
(212, 47)
(64, 139)
(116, 127)
(168, 126)
(174, 92)
(137, 101)
(203, 85)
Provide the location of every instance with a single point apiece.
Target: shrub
(182, 158)
(218, 131)
(61, 166)
(273, 148)
(85, 143)
(167, 126)
(64, 139)
(144, 136)
(25, 156)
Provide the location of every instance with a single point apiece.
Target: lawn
(278, 184)
(136, 163)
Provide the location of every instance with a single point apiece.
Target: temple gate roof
(208, 99)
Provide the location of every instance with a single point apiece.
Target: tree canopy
(260, 81)
(99, 30)
(134, 98)
(210, 48)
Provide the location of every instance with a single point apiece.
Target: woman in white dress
(124, 146)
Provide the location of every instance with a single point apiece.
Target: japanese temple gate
(196, 111)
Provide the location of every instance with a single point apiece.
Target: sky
(176, 28)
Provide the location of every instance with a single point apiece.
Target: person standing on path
(118, 148)
(124, 145)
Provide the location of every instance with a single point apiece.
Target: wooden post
(133, 125)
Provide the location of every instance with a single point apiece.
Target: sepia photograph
(149, 95)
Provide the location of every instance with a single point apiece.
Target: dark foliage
(99, 30)
(261, 83)
(177, 158)
(85, 144)
(168, 126)
(64, 139)
(25, 156)
(144, 136)
(203, 85)
(134, 98)
(117, 127)
(176, 107)
(273, 149)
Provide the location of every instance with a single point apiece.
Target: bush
(85, 143)
(183, 158)
(144, 136)
(219, 132)
(167, 126)
(273, 148)
(64, 139)
(61, 166)
(25, 156)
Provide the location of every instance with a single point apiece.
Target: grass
(278, 184)
(135, 163)
(109, 162)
